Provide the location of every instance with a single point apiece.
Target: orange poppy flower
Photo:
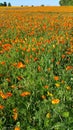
(55, 101)
(39, 68)
(8, 94)
(28, 50)
(14, 64)
(56, 78)
(63, 56)
(24, 49)
(5, 96)
(24, 94)
(19, 77)
(15, 114)
(2, 63)
(2, 51)
(58, 63)
(52, 60)
(27, 61)
(43, 49)
(31, 56)
(46, 86)
(49, 69)
(35, 59)
(1, 75)
(8, 79)
(6, 47)
(43, 97)
(34, 49)
(17, 128)
(20, 65)
(1, 106)
(69, 67)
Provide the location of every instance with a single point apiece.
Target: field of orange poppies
(36, 68)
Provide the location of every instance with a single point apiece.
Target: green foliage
(66, 2)
(5, 4)
(1, 4)
(42, 5)
(9, 4)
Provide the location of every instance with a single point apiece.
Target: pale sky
(32, 2)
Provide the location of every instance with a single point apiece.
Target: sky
(32, 2)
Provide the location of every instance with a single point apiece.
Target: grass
(36, 75)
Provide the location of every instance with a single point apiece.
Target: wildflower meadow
(36, 68)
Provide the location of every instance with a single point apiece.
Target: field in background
(39, 9)
(36, 68)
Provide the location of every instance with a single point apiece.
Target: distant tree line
(66, 2)
(5, 4)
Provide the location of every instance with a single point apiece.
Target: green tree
(42, 5)
(9, 4)
(1, 4)
(5, 4)
(66, 2)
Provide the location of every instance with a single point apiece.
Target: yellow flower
(50, 94)
(55, 101)
(62, 81)
(48, 115)
(54, 46)
(13, 86)
(57, 85)
(68, 88)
